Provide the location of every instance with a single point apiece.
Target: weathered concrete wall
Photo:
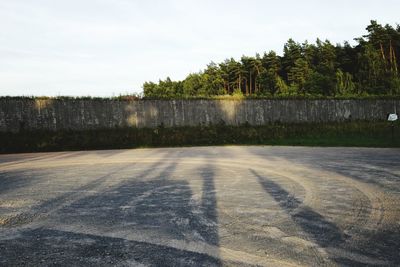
(29, 114)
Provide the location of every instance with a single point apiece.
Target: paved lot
(205, 206)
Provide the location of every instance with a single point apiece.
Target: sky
(111, 47)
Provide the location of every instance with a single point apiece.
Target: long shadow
(45, 208)
(380, 177)
(13, 159)
(11, 181)
(106, 153)
(16, 179)
(355, 165)
(380, 244)
(22, 180)
(323, 232)
(154, 207)
(46, 247)
(159, 208)
(384, 243)
(209, 206)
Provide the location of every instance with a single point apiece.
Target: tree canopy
(322, 69)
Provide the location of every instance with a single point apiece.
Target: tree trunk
(393, 63)
(255, 79)
(250, 84)
(382, 52)
(245, 84)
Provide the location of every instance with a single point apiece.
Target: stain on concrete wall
(61, 114)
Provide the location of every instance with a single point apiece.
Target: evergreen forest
(368, 68)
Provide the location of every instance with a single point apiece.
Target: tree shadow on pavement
(14, 180)
(364, 172)
(209, 206)
(324, 233)
(145, 220)
(366, 166)
(382, 246)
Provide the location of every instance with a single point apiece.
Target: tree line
(322, 69)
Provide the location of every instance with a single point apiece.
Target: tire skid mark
(311, 197)
(43, 210)
(223, 253)
(381, 216)
(33, 159)
(373, 193)
(320, 255)
(382, 213)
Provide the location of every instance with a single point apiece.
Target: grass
(359, 134)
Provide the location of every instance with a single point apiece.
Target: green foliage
(165, 88)
(317, 83)
(299, 74)
(237, 93)
(375, 134)
(213, 82)
(320, 69)
(344, 83)
(193, 84)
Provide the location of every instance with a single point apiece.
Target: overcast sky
(110, 47)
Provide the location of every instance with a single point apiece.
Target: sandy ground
(203, 206)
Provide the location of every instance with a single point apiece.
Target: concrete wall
(29, 114)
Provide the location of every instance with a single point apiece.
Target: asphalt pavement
(201, 206)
